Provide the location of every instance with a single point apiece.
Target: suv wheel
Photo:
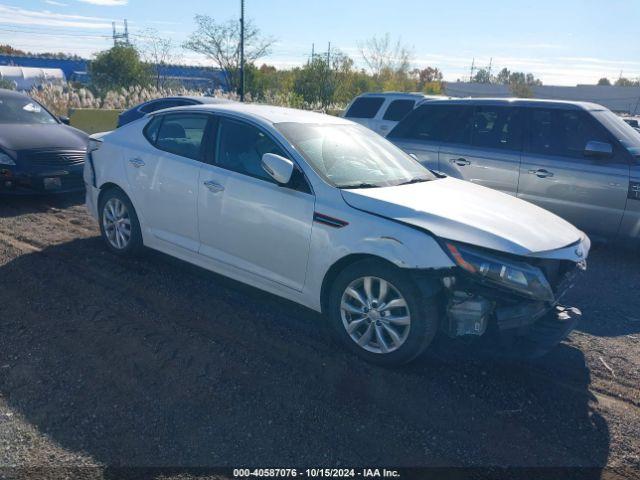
(119, 224)
(377, 311)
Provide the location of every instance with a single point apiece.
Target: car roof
(519, 102)
(266, 113)
(399, 95)
(195, 98)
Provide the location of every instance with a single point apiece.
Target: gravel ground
(153, 362)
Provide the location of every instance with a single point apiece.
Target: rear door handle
(213, 186)
(461, 162)
(136, 162)
(541, 173)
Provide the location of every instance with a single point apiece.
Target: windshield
(625, 133)
(351, 156)
(23, 110)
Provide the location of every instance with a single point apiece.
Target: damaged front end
(513, 298)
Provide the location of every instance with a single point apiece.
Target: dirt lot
(154, 362)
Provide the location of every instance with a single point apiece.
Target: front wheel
(377, 311)
(119, 224)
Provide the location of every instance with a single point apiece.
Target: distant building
(618, 99)
(77, 70)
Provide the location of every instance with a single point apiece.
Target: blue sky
(563, 42)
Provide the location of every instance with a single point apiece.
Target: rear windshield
(23, 110)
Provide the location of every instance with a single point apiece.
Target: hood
(18, 137)
(457, 210)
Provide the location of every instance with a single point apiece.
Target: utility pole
(490, 63)
(242, 50)
(329, 56)
(120, 38)
(473, 64)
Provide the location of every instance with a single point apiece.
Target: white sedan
(328, 214)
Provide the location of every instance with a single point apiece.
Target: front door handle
(136, 162)
(541, 173)
(461, 162)
(213, 186)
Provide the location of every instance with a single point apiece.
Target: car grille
(53, 158)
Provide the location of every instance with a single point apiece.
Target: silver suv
(578, 160)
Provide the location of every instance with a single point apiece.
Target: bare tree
(157, 51)
(220, 42)
(380, 54)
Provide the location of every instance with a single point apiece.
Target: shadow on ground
(11, 206)
(152, 362)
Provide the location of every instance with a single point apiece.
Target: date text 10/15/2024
(315, 473)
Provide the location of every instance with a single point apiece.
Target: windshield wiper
(359, 185)
(415, 180)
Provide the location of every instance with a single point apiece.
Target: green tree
(604, 81)
(503, 76)
(482, 76)
(220, 42)
(626, 82)
(119, 67)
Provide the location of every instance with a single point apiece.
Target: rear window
(180, 134)
(398, 109)
(497, 127)
(437, 123)
(365, 107)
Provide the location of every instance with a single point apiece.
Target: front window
(351, 156)
(23, 110)
(241, 147)
(625, 133)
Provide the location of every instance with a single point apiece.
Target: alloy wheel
(375, 314)
(117, 223)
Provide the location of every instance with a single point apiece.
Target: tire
(109, 200)
(409, 341)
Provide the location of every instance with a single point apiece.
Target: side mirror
(64, 120)
(278, 168)
(598, 149)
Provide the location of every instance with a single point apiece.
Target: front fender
(367, 235)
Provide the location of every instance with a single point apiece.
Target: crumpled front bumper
(514, 326)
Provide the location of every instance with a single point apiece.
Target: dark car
(38, 152)
(141, 110)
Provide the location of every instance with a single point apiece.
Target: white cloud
(57, 4)
(21, 16)
(106, 3)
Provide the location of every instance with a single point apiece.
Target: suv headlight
(512, 274)
(6, 159)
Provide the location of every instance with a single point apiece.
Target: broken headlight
(512, 274)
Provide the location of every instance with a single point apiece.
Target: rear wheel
(377, 311)
(119, 224)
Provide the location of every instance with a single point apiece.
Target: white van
(382, 111)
